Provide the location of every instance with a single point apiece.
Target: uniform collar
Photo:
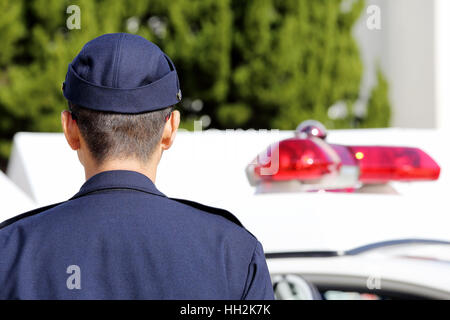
(118, 179)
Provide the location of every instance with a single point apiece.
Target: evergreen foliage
(248, 64)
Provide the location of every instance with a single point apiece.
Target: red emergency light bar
(309, 159)
(301, 159)
(380, 164)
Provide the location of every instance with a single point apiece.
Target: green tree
(378, 107)
(12, 28)
(249, 64)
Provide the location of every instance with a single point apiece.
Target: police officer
(119, 236)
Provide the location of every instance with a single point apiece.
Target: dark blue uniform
(121, 238)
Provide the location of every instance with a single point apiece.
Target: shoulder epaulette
(220, 212)
(27, 214)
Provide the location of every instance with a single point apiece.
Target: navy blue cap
(122, 73)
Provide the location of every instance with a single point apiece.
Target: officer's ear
(170, 130)
(71, 131)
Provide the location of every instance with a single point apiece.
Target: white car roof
(44, 167)
(13, 200)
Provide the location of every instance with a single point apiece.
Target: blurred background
(243, 64)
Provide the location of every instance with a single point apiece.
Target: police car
(344, 214)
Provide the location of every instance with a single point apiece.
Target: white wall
(442, 58)
(405, 47)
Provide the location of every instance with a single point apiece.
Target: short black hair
(120, 136)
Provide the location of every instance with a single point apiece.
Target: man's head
(121, 90)
(120, 136)
(104, 138)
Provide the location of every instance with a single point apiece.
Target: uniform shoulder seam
(213, 210)
(27, 214)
